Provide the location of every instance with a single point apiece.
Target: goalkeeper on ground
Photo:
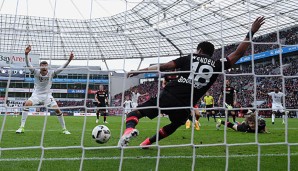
(249, 125)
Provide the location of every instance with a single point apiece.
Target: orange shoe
(187, 124)
(145, 143)
(197, 125)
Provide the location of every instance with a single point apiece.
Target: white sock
(283, 118)
(61, 120)
(273, 117)
(24, 118)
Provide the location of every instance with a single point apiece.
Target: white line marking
(39, 130)
(147, 157)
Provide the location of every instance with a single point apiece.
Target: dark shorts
(166, 100)
(242, 127)
(101, 105)
(209, 106)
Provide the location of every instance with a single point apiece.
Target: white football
(101, 134)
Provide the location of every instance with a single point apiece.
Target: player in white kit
(135, 97)
(42, 94)
(127, 105)
(276, 103)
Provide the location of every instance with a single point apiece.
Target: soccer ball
(101, 134)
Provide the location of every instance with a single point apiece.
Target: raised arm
(242, 47)
(145, 94)
(28, 64)
(162, 67)
(60, 69)
(265, 94)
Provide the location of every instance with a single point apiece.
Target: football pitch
(65, 152)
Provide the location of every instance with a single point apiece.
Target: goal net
(111, 38)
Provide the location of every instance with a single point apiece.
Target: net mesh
(153, 29)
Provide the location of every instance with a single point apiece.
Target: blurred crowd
(248, 87)
(244, 83)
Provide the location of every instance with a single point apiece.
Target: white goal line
(149, 157)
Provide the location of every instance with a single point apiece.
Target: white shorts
(46, 100)
(127, 110)
(134, 105)
(276, 108)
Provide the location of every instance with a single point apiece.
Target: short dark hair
(43, 62)
(206, 47)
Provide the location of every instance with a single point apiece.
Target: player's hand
(131, 74)
(28, 49)
(71, 56)
(257, 24)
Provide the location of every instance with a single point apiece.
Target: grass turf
(242, 149)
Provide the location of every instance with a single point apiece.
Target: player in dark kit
(101, 97)
(178, 93)
(231, 98)
(249, 125)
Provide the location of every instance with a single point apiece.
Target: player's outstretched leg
(23, 121)
(197, 122)
(24, 116)
(104, 117)
(97, 116)
(220, 122)
(213, 113)
(162, 133)
(273, 117)
(131, 121)
(283, 117)
(61, 120)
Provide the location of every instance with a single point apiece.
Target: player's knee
(28, 103)
(134, 113)
(58, 113)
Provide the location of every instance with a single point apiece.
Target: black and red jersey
(229, 95)
(101, 96)
(202, 77)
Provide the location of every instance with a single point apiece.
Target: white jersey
(42, 84)
(135, 97)
(127, 104)
(276, 98)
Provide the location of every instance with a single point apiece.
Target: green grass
(274, 152)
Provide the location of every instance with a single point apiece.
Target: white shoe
(105, 122)
(128, 134)
(96, 121)
(20, 130)
(65, 131)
